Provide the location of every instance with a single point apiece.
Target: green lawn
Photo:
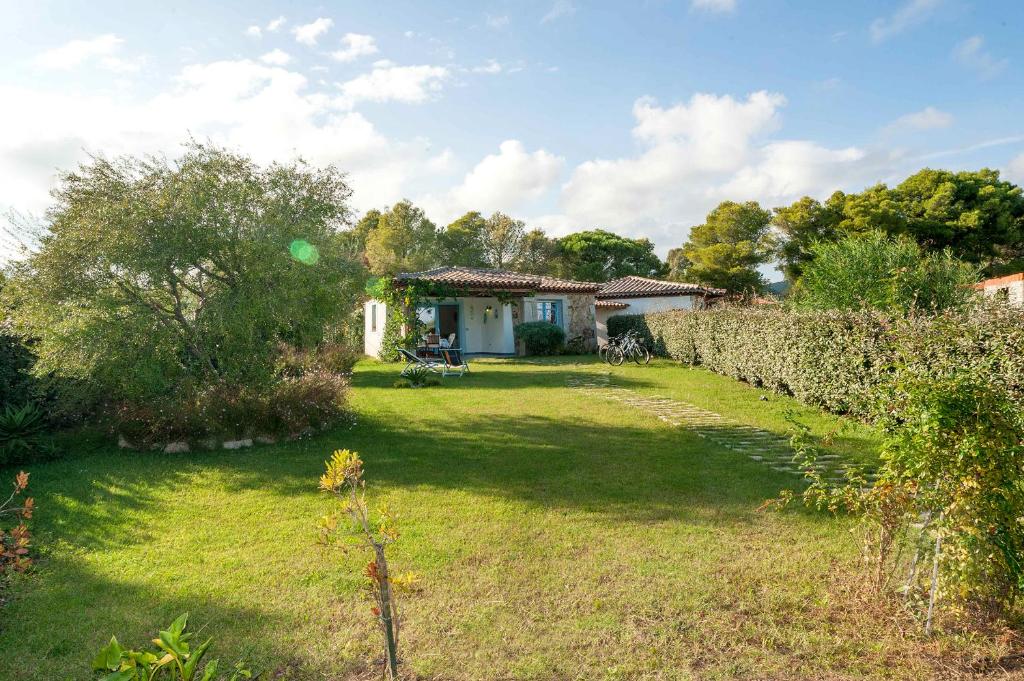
(558, 537)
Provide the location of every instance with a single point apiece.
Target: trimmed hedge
(835, 359)
(541, 338)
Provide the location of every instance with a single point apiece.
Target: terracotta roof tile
(475, 277)
(610, 305)
(642, 287)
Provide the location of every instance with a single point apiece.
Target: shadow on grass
(63, 649)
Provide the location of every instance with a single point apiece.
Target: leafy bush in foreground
(541, 338)
(176, 659)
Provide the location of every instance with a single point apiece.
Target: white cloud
(269, 112)
(508, 181)
(355, 45)
(723, 6)
(387, 82)
(909, 14)
(491, 67)
(254, 32)
(101, 50)
(694, 155)
(276, 57)
(274, 25)
(928, 118)
(308, 34)
(972, 54)
(560, 8)
(510, 178)
(496, 22)
(1015, 170)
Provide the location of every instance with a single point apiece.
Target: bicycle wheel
(616, 356)
(642, 355)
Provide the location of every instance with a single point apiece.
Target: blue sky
(633, 116)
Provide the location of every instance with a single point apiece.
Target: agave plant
(176, 660)
(21, 430)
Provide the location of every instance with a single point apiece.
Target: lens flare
(304, 252)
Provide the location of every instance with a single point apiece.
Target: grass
(558, 537)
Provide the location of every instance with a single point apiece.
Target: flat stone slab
(762, 446)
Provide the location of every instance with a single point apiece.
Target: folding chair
(412, 360)
(454, 363)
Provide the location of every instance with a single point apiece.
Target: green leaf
(109, 658)
(210, 670)
(193, 660)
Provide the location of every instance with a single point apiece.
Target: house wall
(1012, 290)
(641, 306)
(373, 334)
(481, 331)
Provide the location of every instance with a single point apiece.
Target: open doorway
(448, 324)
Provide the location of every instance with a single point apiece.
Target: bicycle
(630, 345)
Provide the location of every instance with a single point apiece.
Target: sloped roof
(999, 281)
(610, 305)
(642, 287)
(498, 280)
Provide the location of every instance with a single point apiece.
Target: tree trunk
(386, 610)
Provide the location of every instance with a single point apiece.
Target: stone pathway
(759, 445)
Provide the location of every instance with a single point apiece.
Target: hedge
(541, 338)
(835, 359)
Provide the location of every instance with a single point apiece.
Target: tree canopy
(975, 214)
(158, 275)
(403, 240)
(727, 249)
(598, 255)
(462, 242)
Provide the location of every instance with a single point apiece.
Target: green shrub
(158, 281)
(22, 433)
(176, 659)
(876, 271)
(836, 359)
(288, 407)
(957, 438)
(541, 338)
(829, 359)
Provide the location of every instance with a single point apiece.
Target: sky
(638, 117)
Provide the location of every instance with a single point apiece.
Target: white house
(478, 308)
(637, 295)
(1009, 288)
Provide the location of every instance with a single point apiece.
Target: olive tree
(155, 276)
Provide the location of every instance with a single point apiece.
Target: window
(373, 317)
(549, 311)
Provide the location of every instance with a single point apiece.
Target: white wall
(1014, 292)
(641, 306)
(493, 335)
(373, 337)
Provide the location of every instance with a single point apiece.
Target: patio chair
(412, 360)
(454, 363)
(451, 339)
